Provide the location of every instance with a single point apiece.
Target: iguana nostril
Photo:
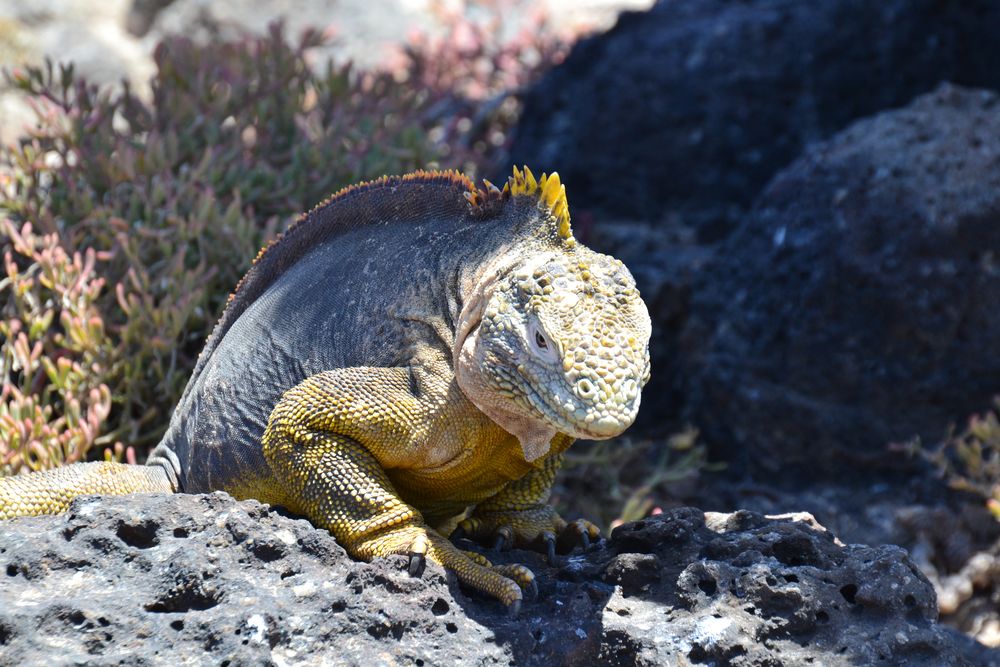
(585, 389)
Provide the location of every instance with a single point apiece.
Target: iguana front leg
(519, 515)
(322, 443)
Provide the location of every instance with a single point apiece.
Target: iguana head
(559, 338)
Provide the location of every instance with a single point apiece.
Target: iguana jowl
(409, 349)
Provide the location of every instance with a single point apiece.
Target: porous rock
(951, 537)
(857, 305)
(691, 107)
(195, 579)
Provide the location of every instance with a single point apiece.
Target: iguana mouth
(599, 428)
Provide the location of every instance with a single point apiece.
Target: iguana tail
(50, 491)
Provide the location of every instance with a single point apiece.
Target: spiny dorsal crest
(548, 189)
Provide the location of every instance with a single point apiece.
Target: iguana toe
(537, 528)
(522, 576)
(579, 533)
(519, 574)
(418, 555)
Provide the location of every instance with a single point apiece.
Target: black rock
(168, 579)
(691, 107)
(857, 305)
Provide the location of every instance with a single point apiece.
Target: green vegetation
(969, 461)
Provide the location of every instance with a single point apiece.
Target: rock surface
(195, 579)
(952, 538)
(857, 305)
(702, 101)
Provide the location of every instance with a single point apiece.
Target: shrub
(54, 402)
(626, 479)
(969, 461)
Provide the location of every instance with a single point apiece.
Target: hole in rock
(267, 552)
(139, 535)
(708, 586)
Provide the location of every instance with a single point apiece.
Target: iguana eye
(541, 346)
(540, 341)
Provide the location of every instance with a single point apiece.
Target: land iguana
(411, 348)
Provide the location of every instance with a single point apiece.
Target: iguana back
(335, 291)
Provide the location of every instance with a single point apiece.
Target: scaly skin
(535, 340)
(50, 491)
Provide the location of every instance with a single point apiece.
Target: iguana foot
(524, 577)
(507, 583)
(339, 485)
(539, 528)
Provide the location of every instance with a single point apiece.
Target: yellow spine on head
(551, 194)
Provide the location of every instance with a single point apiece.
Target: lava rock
(692, 106)
(146, 579)
(857, 306)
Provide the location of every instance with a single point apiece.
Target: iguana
(411, 348)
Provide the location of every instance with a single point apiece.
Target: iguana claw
(417, 564)
(514, 608)
(549, 540)
(580, 533)
(418, 555)
(532, 591)
(504, 538)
